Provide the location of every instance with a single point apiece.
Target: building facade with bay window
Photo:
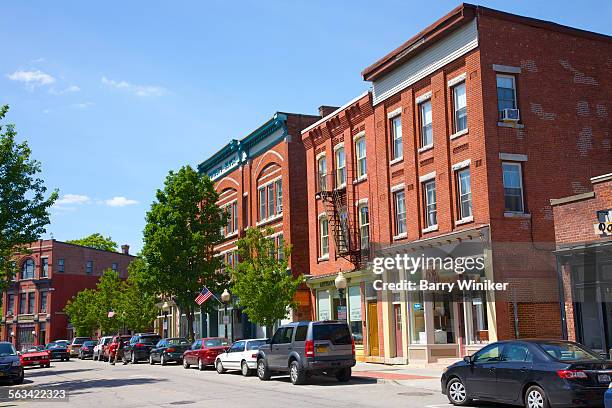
(453, 153)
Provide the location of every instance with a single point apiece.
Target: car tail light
(572, 374)
(139, 345)
(309, 348)
(170, 350)
(254, 355)
(353, 345)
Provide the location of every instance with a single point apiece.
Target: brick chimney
(325, 110)
(125, 249)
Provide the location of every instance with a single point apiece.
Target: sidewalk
(407, 375)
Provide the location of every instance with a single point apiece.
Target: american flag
(203, 296)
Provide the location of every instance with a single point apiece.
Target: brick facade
(51, 323)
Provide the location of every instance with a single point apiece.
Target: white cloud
(82, 105)
(70, 89)
(31, 78)
(120, 202)
(138, 90)
(73, 199)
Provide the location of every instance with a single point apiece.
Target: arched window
(27, 269)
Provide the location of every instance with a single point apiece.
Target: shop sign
(341, 312)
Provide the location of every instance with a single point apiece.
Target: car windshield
(568, 351)
(215, 343)
(107, 340)
(33, 349)
(149, 339)
(255, 344)
(89, 343)
(178, 342)
(55, 345)
(335, 333)
(79, 340)
(7, 350)
(61, 343)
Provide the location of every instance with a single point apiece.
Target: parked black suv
(139, 347)
(306, 348)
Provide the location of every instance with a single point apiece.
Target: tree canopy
(24, 203)
(96, 241)
(183, 226)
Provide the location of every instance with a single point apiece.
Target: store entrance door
(397, 317)
(373, 329)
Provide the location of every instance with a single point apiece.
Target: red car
(109, 351)
(35, 355)
(203, 352)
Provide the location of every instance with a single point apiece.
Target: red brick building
(583, 231)
(472, 126)
(47, 277)
(261, 180)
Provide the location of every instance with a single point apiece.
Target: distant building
(47, 277)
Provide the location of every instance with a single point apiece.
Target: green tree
(137, 303)
(97, 241)
(81, 312)
(24, 210)
(108, 296)
(183, 226)
(261, 281)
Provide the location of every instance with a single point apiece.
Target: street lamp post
(225, 298)
(340, 283)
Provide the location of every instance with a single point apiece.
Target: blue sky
(111, 96)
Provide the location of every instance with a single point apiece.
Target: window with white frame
(271, 200)
(279, 196)
(231, 211)
(460, 107)
(323, 236)
(360, 156)
(396, 137)
(45, 267)
(513, 187)
(280, 246)
(89, 267)
(364, 226)
(340, 167)
(322, 173)
(399, 200)
(343, 241)
(506, 93)
(27, 269)
(262, 203)
(426, 124)
(429, 196)
(464, 193)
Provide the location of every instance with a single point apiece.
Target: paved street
(96, 384)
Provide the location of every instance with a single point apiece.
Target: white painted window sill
(430, 229)
(464, 220)
(514, 125)
(341, 186)
(400, 236)
(270, 219)
(426, 148)
(360, 179)
(459, 134)
(395, 161)
(510, 214)
(323, 258)
(231, 235)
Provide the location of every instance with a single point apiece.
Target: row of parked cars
(300, 349)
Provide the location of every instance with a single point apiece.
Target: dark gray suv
(306, 348)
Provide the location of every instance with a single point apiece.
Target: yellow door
(373, 328)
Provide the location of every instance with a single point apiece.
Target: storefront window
(323, 305)
(417, 319)
(480, 326)
(444, 330)
(355, 317)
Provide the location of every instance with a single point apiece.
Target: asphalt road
(97, 384)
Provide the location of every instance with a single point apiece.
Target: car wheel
(262, 370)
(244, 368)
(297, 374)
(219, 367)
(456, 392)
(344, 375)
(201, 365)
(19, 379)
(535, 397)
(185, 363)
(162, 360)
(151, 359)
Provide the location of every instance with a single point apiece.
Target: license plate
(603, 378)
(321, 349)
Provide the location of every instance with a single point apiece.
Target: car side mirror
(468, 359)
(268, 341)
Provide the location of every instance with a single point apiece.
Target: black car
(533, 373)
(58, 350)
(86, 350)
(306, 348)
(167, 350)
(139, 347)
(10, 364)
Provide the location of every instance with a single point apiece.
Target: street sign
(341, 312)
